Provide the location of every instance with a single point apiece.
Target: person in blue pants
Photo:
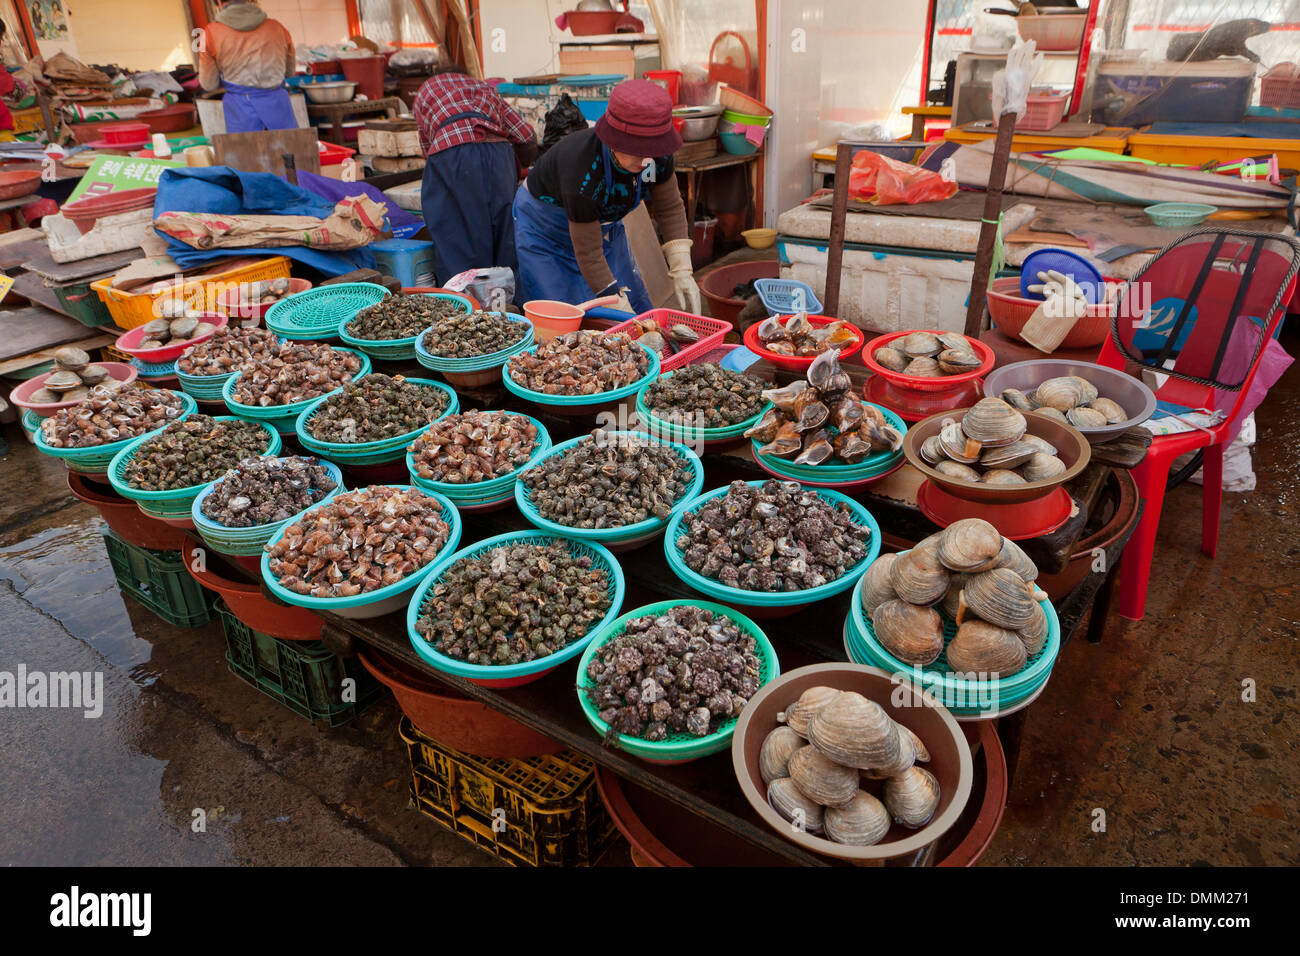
(248, 55)
(475, 144)
(569, 213)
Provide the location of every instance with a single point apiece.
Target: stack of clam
(1070, 399)
(990, 445)
(72, 378)
(979, 579)
(160, 333)
(842, 767)
(929, 355)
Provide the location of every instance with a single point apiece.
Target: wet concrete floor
(1149, 726)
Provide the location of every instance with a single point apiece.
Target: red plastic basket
(799, 363)
(711, 331)
(945, 384)
(1280, 87)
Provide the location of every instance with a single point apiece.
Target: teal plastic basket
(380, 601)
(641, 530)
(777, 599)
(96, 459)
(176, 503)
(247, 542)
(874, 464)
(598, 398)
(148, 370)
(513, 675)
(679, 747)
(960, 695)
(398, 350)
(777, 467)
(206, 388)
(1179, 215)
(675, 431)
(284, 417)
(483, 492)
(477, 363)
(31, 422)
(317, 313)
(370, 452)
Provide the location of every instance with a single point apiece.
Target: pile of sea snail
(111, 415)
(991, 446)
(609, 481)
(469, 335)
(514, 603)
(1068, 399)
(778, 536)
(174, 330)
(979, 579)
(705, 396)
(474, 446)
(377, 407)
(264, 490)
(580, 363)
(400, 316)
(192, 452)
(927, 355)
(227, 350)
(835, 748)
(295, 372)
(686, 670)
(819, 419)
(72, 378)
(358, 542)
(799, 336)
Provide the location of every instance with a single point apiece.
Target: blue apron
(250, 109)
(548, 266)
(465, 197)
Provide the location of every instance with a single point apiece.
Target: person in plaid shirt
(475, 145)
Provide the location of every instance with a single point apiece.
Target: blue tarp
(404, 224)
(1254, 129)
(221, 189)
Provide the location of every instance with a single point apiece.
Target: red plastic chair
(1179, 317)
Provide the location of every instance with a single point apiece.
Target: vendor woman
(569, 213)
(249, 56)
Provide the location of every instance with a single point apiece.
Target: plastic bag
(564, 119)
(888, 182)
(493, 287)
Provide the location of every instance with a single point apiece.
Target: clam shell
(1002, 476)
(932, 450)
(951, 603)
(918, 745)
(183, 327)
(1053, 413)
(797, 715)
(1034, 634)
(775, 753)
(62, 381)
(993, 422)
(203, 328)
(957, 361)
(912, 797)
(279, 286)
(920, 345)
(855, 732)
(1009, 456)
(1113, 411)
(819, 778)
(44, 396)
(955, 469)
(160, 326)
(148, 345)
(863, 821)
(1013, 557)
(1041, 444)
(876, 589)
(1018, 399)
(918, 577)
(1060, 393)
(907, 742)
(785, 799)
(1000, 597)
(93, 374)
(75, 394)
(1084, 417)
(959, 446)
(1042, 467)
(72, 359)
(956, 341)
(911, 633)
(1086, 389)
(890, 358)
(923, 367)
(982, 648)
(970, 545)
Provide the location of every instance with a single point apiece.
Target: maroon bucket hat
(639, 120)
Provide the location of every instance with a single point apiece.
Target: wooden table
(693, 169)
(391, 106)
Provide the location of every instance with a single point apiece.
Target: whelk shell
(912, 797)
(855, 732)
(911, 633)
(822, 779)
(863, 821)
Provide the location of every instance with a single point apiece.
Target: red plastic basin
(125, 517)
(19, 396)
(247, 603)
(125, 134)
(130, 342)
(800, 363)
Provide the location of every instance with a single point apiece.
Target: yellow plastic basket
(132, 309)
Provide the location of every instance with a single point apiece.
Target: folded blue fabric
(220, 189)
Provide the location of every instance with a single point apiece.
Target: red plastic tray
(130, 341)
(711, 332)
(912, 406)
(799, 363)
(947, 383)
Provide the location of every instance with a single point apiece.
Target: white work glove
(1064, 296)
(1011, 85)
(678, 254)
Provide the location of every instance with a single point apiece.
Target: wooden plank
(33, 288)
(34, 328)
(16, 253)
(839, 213)
(263, 152)
(64, 272)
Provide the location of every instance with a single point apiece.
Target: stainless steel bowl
(1131, 394)
(698, 122)
(335, 91)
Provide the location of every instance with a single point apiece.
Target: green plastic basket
(204, 387)
(769, 599)
(1179, 215)
(174, 504)
(777, 467)
(284, 418)
(679, 747)
(525, 672)
(481, 492)
(873, 464)
(578, 401)
(248, 542)
(370, 452)
(675, 431)
(317, 313)
(398, 350)
(159, 580)
(641, 530)
(96, 459)
(476, 363)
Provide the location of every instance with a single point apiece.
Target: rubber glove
(622, 303)
(678, 254)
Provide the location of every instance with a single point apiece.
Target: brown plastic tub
(718, 286)
(1121, 498)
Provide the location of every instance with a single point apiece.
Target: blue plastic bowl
(380, 601)
(512, 675)
(95, 459)
(396, 350)
(639, 532)
(768, 599)
(245, 542)
(370, 452)
(579, 401)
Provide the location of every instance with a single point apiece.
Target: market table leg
(1101, 608)
(1010, 729)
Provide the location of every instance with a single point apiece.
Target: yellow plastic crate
(1110, 140)
(1199, 150)
(132, 309)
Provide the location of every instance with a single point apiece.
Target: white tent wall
(520, 37)
(830, 65)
